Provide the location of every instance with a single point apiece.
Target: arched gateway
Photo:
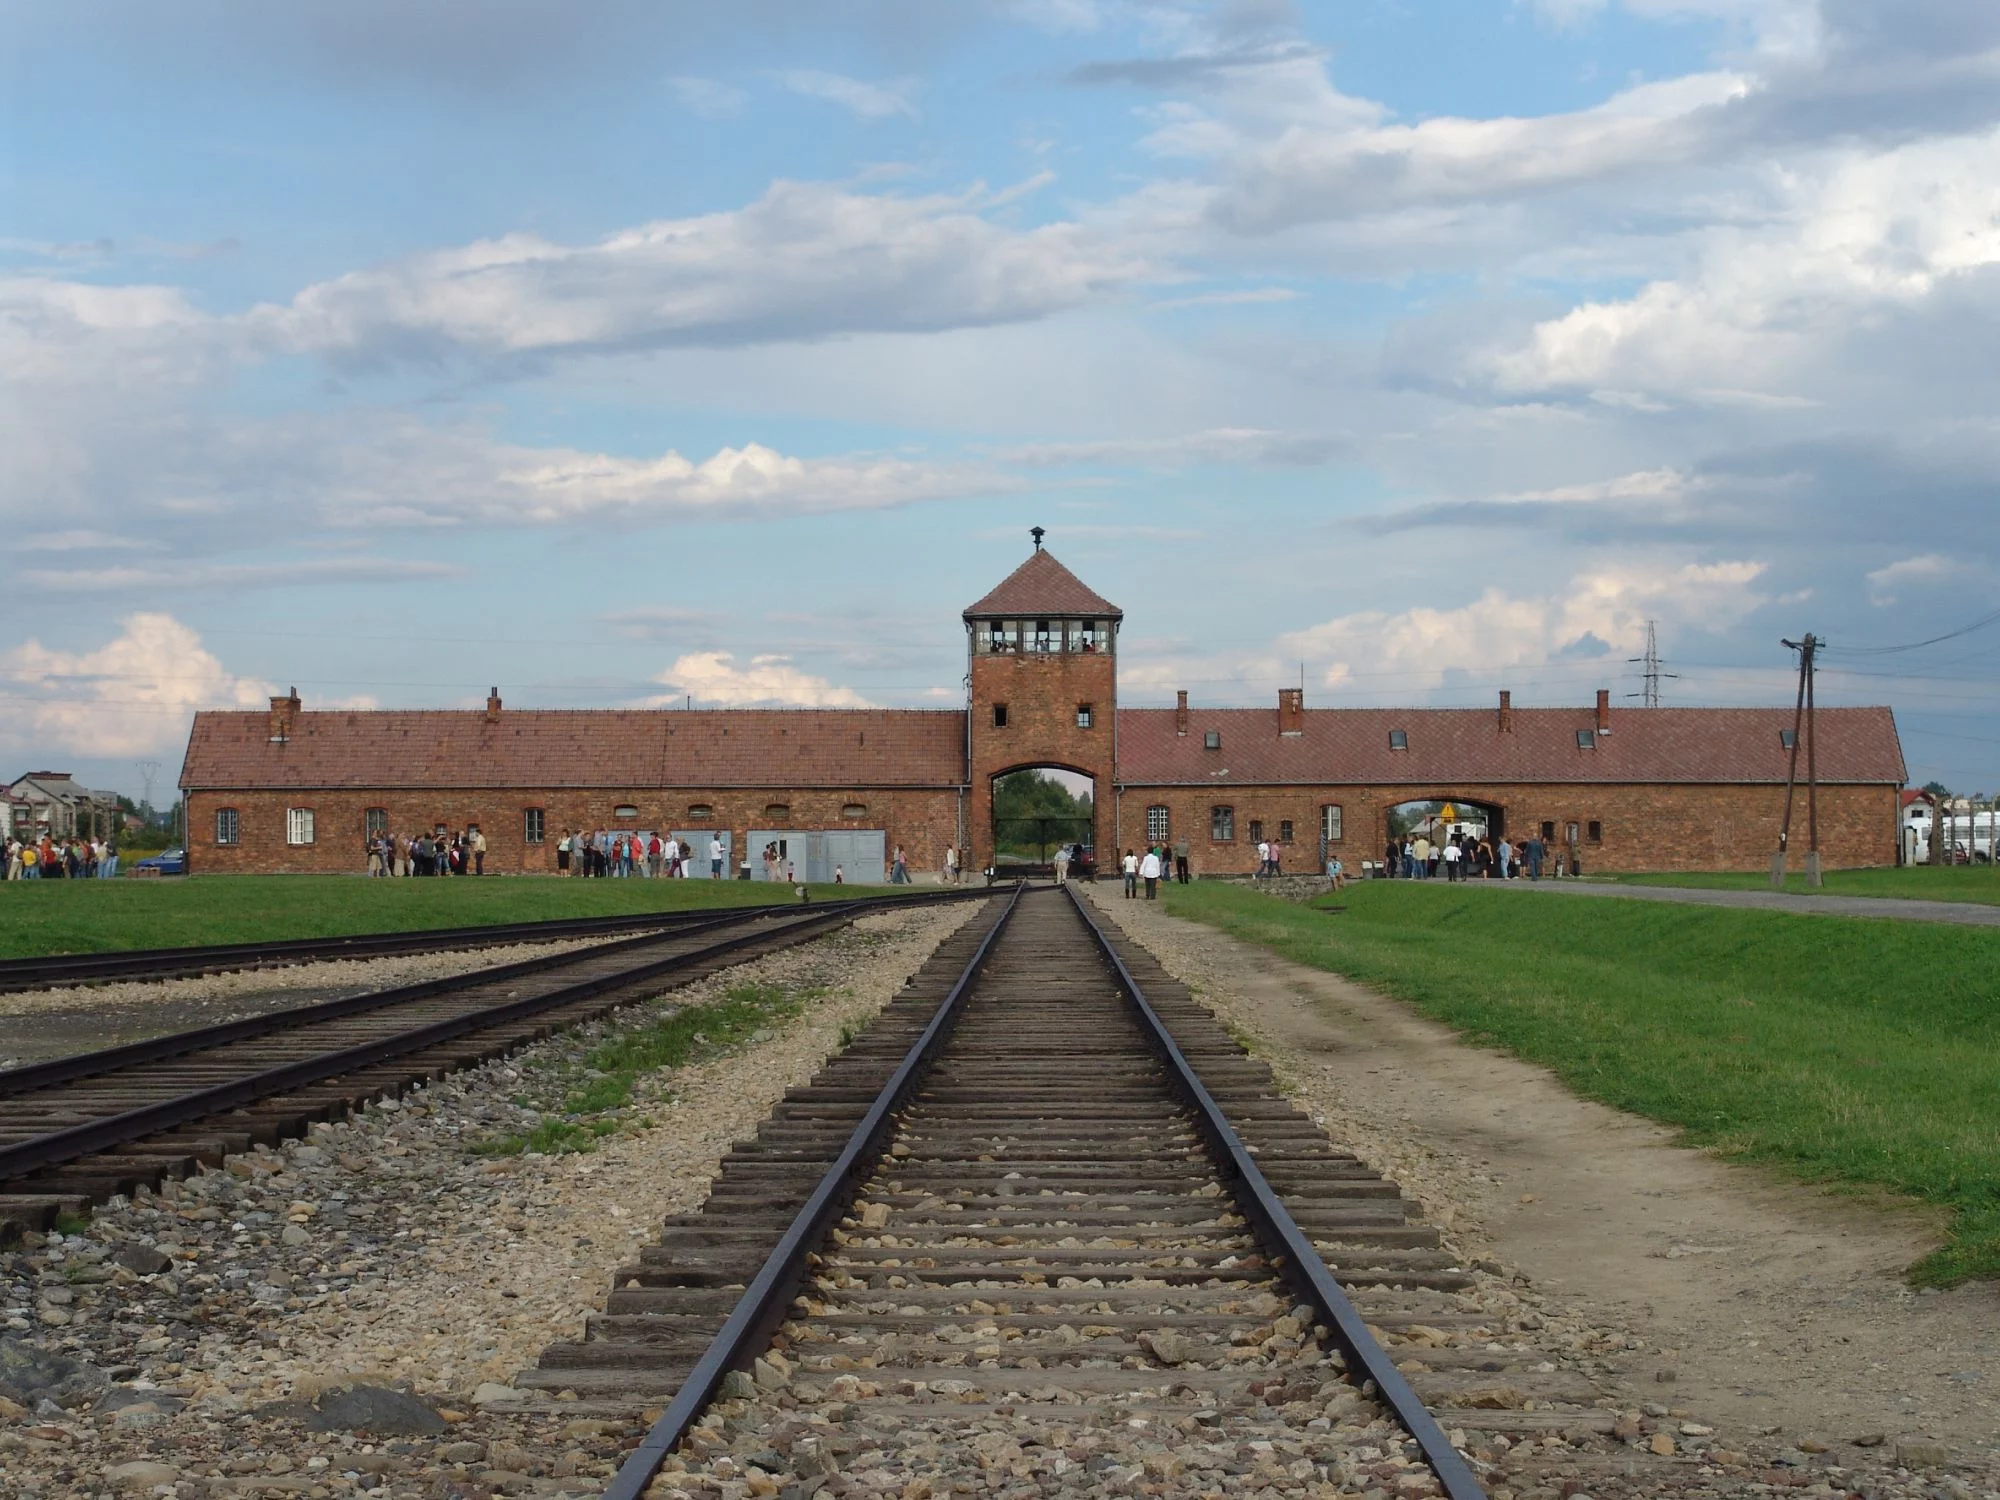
(1658, 788)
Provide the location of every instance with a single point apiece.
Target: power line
(1650, 693)
(1950, 635)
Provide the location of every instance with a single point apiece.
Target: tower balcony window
(1042, 637)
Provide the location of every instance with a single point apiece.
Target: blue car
(167, 862)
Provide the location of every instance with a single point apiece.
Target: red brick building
(294, 790)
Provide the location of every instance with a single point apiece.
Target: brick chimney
(1604, 710)
(493, 705)
(1291, 710)
(1506, 712)
(283, 711)
(1180, 713)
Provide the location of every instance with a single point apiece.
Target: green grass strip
(1864, 1053)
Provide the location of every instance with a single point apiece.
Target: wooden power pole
(1803, 724)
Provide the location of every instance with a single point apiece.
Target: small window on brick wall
(1596, 831)
(299, 825)
(376, 820)
(532, 825)
(227, 830)
(1548, 833)
(1083, 716)
(1329, 823)
(854, 810)
(701, 811)
(777, 812)
(1256, 830)
(1222, 824)
(999, 716)
(1284, 830)
(1157, 823)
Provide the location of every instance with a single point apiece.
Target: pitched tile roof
(615, 748)
(1043, 586)
(1452, 748)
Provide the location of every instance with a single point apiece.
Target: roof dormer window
(1212, 740)
(1399, 739)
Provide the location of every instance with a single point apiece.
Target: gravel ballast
(369, 1281)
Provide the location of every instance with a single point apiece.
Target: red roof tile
(1455, 747)
(580, 747)
(1043, 586)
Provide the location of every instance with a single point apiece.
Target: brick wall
(1042, 694)
(924, 821)
(1642, 827)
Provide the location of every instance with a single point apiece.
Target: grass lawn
(40, 917)
(1979, 883)
(1841, 1050)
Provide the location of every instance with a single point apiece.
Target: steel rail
(25, 1079)
(15, 1081)
(62, 969)
(762, 1306)
(94, 1136)
(1290, 1247)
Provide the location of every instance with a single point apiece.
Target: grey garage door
(859, 852)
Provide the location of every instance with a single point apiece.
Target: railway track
(78, 1130)
(1043, 1225)
(65, 969)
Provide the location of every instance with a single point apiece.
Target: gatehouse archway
(1420, 829)
(1038, 811)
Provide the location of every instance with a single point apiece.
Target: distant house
(57, 804)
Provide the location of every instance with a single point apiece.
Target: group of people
(60, 859)
(442, 851)
(599, 854)
(1466, 857)
(1157, 863)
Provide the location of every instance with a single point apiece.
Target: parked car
(166, 862)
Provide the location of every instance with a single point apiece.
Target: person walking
(1149, 871)
(1131, 868)
(899, 873)
(951, 864)
(1181, 859)
(1506, 860)
(1451, 857)
(1060, 865)
(715, 857)
(478, 841)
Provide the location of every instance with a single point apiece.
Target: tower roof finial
(1037, 533)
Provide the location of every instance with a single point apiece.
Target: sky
(626, 352)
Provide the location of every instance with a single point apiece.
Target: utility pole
(149, 771)
(1650, 695)
(1803, 723)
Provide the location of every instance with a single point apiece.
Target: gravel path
(1781, 1371)
(1963, 913)
(382, 1272)
(44, 1024)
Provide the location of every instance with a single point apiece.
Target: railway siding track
(79, 1130)
(63, 970)
(1033, 1243)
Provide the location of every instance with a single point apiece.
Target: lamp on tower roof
(1037, 533)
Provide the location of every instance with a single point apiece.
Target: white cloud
(1767, 307)
(871, 101)
(1220, 445)
(1246, 297)
(133, 695)
(1363, 168)
(709, 97)
(1421, 646)
(1929, 568)
(806, 261)
(765, 681)
(238, 577)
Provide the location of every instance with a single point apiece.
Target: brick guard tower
(1043, 651)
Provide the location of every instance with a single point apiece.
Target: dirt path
(1759, 1302)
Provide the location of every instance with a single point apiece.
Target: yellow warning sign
(1450, 813)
